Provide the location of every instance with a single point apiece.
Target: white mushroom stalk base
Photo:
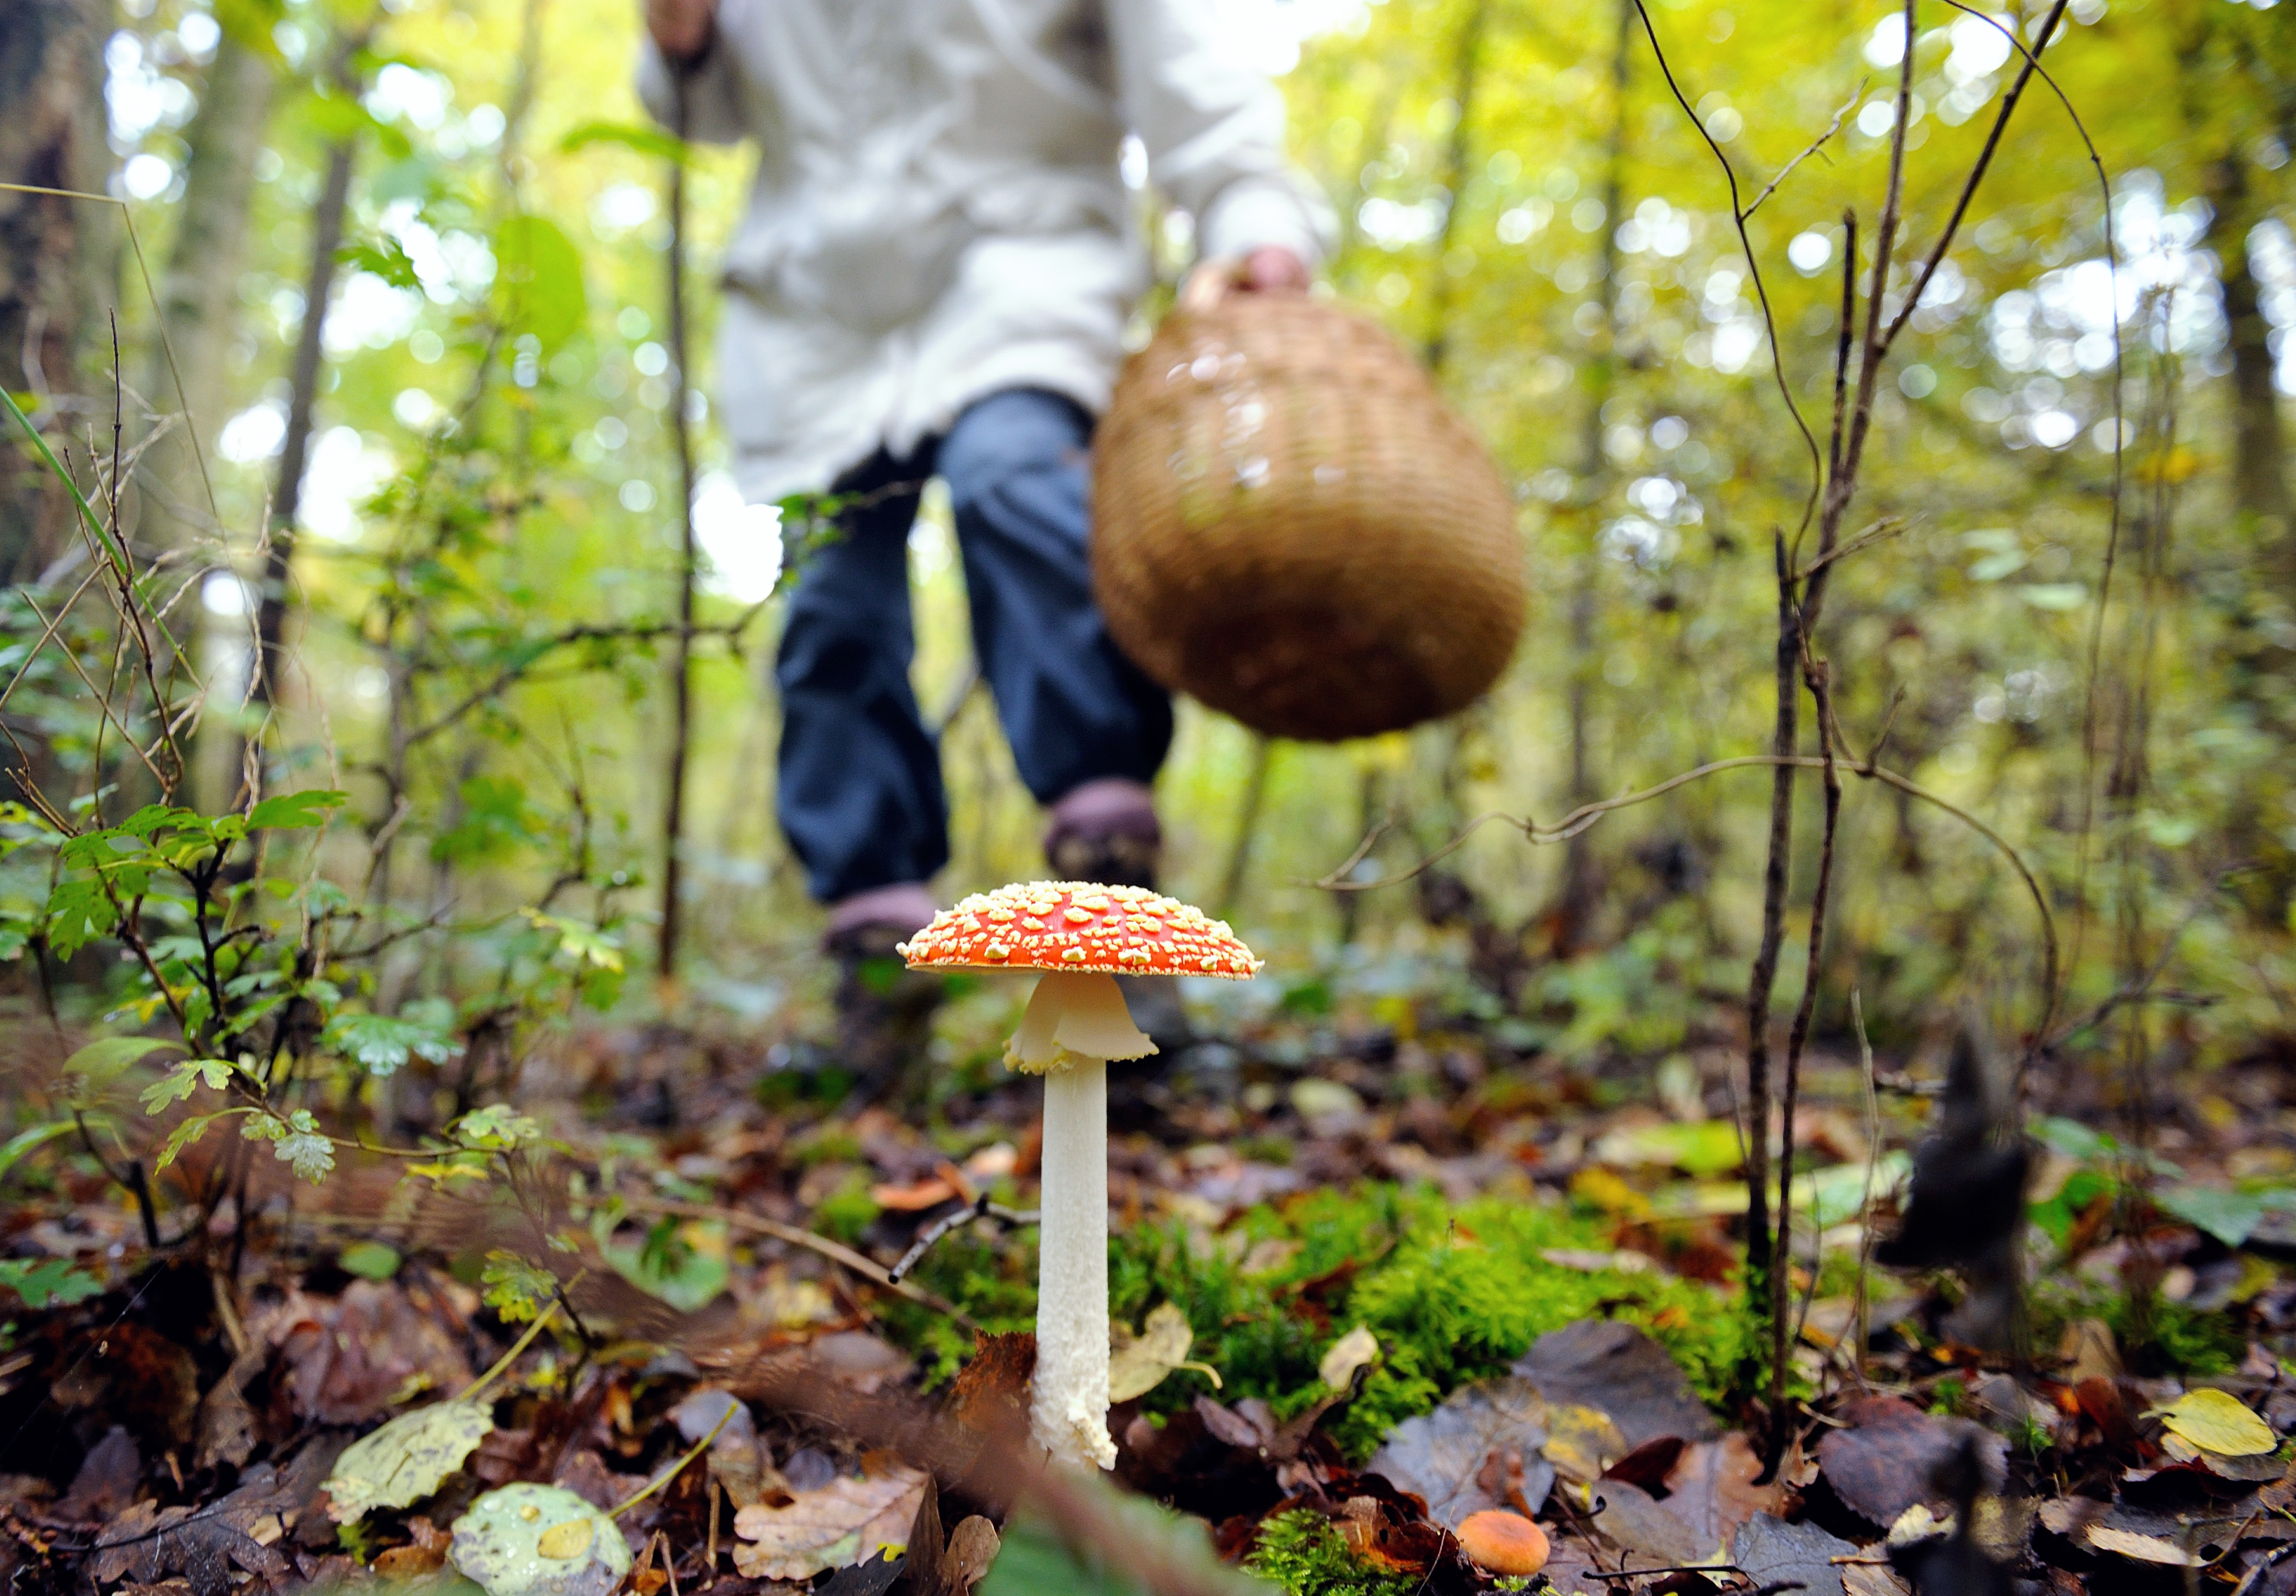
(1069, 1415)
(1076, 1022)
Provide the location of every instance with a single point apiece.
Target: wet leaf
(1633, 1519)
(1442, 1456)
(1618, 1370)
(831, 1526)
(2218, 1421)
(529, 1540)
(1771, 1551)
(405, 1461)
(2144, 1549)
(1712, 1488)
(203, 1544)
(1138, 1365)
(1883, 1466)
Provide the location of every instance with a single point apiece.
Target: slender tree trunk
(199, 293)
(1579, 886)
(294, 454)
(673, 823)
(58, 256)
(1454, 182)
(2259, 476)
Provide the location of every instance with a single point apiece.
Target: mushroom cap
(1083, 928)
(1500, 1542)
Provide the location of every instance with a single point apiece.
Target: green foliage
(1452, 1296)
(47, 1280)
(517, 1290)
(1302, 1553)
(370, 1260)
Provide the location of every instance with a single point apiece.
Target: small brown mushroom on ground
(1499, 1542)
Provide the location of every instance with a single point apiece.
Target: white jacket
(937, 213)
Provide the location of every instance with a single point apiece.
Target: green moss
(1301, 1551)
(848, 1210)
(1453, 1295)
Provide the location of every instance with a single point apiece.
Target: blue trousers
(860, 794)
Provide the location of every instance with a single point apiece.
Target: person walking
(932, 277)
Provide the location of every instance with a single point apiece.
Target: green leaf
(190, 1131)
(2055, 596)
(2230, 1216)
(516, 1289)
(529, 1540)
(179, 1083)
(24, 1141)
(405, 1461)
(101, 1063)
(46, 1280)
(295, 1140)
(496, 1128)
(683, 1262)
(370, 1260)
(386, 259)
(295, 811)
(383, 1044)
(630, 136)
(538, 278)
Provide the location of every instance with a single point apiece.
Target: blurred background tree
(411, 267)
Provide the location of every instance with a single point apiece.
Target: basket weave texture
(1290, 525)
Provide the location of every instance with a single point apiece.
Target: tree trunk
(199, 292)
(58, 256)
(286, 495)
(1579, 885)
(2259, 474)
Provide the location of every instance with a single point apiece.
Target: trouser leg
(860, 794)
(1087, 728)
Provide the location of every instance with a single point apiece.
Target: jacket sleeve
(715, 112)
(1213, 126)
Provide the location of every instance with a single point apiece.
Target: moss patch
(1453, 1295)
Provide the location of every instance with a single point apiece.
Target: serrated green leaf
(383, 1043)
(47, 1280)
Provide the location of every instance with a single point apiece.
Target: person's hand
(681, 29)
(1270, 269)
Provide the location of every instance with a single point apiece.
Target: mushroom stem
(1068, 1416)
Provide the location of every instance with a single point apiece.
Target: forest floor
(1421, 1275)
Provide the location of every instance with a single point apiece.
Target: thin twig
(980, 1207)
(867, 1267)
(1810, 148)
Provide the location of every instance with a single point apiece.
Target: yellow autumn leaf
(1137, 1364)
(1347, 1354)
(2218, 1421)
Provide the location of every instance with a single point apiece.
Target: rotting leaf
(1883, 1465)
(1440, 1456)
(406, 1460)
(2143, 1549)
(1629, 1517)
(1770, 1552)
(1615, 1368)
(529, 1540)
(971, 1549)
(831, 1526)
(1712, 1488)
(2218, 1421)
(1582, 1442)
(1138, 1365)
(203, 1544)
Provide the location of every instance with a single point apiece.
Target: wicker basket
(1290, 526)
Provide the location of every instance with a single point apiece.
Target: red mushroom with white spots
(1081, 936)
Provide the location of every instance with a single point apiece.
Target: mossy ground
(1453, 1293)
